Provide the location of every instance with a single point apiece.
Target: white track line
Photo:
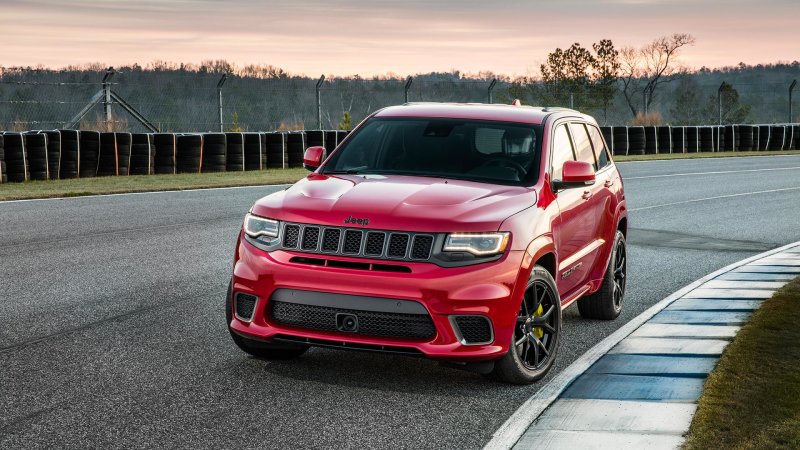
(721, 172)
(78, 197)
(700, 159)
(715, 198)
(509, 433)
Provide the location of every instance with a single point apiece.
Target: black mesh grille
(330, 239)
(370, 323)
(397, 245)
(310, 238)
(352, 241)
(374, 245)
(244, 305)
(474, 329)
(291, 235)
(421, 249)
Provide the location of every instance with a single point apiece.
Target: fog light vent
(245, 304)
(473, 330)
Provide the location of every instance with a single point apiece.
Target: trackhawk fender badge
(569, 271)
(362, 221)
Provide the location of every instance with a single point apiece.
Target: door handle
(608, 183)
(587, 195)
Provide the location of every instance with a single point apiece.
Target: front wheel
(536, 333)
(263, 350)
(606, 303)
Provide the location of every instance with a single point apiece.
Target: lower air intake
(244, 305)
(473, 330)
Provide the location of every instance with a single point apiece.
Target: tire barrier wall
(214, 153)
(36, 155)
(142, 162)
(188, 153)
(65, 154)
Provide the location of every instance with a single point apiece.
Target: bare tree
(645, 69)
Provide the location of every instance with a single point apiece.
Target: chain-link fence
(135, 99)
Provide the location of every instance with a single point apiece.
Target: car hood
(396, 203)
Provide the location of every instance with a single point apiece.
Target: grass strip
(144, 183)
(752, 398)
(668, 156)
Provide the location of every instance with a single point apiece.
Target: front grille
(474, 329)
(370, 323)
(244, 304)
(355, 242)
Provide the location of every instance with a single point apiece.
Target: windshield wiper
(351, 171)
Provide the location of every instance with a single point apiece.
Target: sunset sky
(378, 36)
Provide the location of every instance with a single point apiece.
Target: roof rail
(559, 108)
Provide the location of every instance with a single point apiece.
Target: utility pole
(719, 101)
(220, 83)
(491, 86)
(319, 102)
(409, 80)
(791, 88)
(107, 95)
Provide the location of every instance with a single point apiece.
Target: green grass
(145, 183)
(624, 158)
(752, 398)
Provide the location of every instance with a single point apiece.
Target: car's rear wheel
(259, 349)
(606, 303)
(536, 333)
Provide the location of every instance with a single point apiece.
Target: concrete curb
(508, 435)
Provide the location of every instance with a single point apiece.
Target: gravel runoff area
(112, 331)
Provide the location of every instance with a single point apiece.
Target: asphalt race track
(112, 331)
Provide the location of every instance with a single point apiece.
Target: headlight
(256, 226)
(480, 244)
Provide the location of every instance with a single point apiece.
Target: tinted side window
(600, 149)
(583, 146)
(562, 151)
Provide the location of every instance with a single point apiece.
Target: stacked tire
(142, 161)
(108, 162)
(36, 157)
(188, 153)
(729, 138)
(664, 137)
(14, 149)
(124, 141)
(756, 137)
(636, 140)
(795, 137)
(678, 139)
(744, 135)
(608, 135)
(234, 152)
(276, 150)
(255, 151)
(214, 152)
(706, 139)
(692, 139)
(620, 139)
(53, 153)
(70, 154)
(295, 147)
(330, 141)
(777, 135)
(164, 153)
(89, 153)
(3, 175)
(764, 137)
(650, 140)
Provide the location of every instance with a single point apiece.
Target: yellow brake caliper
(538, 331)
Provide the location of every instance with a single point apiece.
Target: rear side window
(583, 146)
(600, 150)
(562, 151)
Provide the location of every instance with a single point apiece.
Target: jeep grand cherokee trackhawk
(457, 232)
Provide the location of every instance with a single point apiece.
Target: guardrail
(64, 154)
(643, 140)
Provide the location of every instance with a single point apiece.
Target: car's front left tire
(534, 345)
(259, 349)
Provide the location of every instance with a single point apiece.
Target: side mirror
(575, 174)
(313, 158)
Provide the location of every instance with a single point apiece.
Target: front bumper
(492, 289)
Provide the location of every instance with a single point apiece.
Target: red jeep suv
(458, 232)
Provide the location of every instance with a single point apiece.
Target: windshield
(484, 151)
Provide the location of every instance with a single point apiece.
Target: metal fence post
(319, 103)
(791, 88)
(409, 80)
(107, 95)
(220, 83)
(719, 101)
(491, 86)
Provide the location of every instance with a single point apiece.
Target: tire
(263, 350)
(519, 366)
(606, 303)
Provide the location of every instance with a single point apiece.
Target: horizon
(472, 38)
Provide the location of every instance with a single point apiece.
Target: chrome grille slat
(355, 242)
